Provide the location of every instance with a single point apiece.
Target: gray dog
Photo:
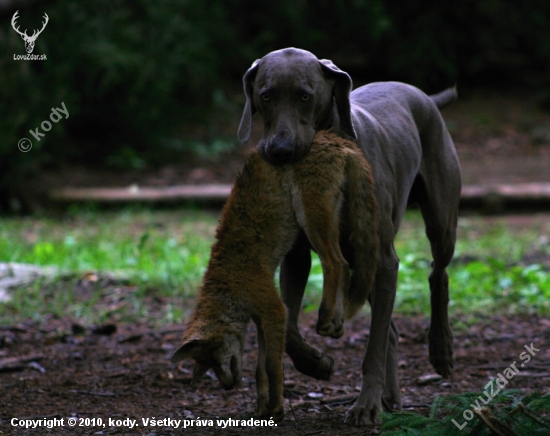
(413, 159)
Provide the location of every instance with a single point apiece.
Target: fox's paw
(262, 407)
(328, 325)
(276, 414)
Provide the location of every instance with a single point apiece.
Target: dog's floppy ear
(342, 89)
(249, 109)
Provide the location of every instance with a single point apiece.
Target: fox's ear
(187, 349)
(198, 371)
(190, 349)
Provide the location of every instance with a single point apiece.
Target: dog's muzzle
(280, 151)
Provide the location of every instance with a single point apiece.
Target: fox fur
(329, 195)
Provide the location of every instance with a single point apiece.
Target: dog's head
(220, 351)
(297, 95)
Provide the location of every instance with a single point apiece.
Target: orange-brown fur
(329, 195)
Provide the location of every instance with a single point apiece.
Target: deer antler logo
(29, 40)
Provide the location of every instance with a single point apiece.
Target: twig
(168, 330)
(298, 430)
(98, 394)
(417, 406)
(18, 363)
(303, 404)
(426, 379)
(521, 408)
(13, 328)
(532, 374)
(36, 366)
(346, 398)
(498, 427)
(130, 338)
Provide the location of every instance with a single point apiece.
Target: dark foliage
(138, 77)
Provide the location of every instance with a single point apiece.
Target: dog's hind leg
(441, 231)
(293, 279)
(437, 192)
(391, 398)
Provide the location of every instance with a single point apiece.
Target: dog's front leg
(293, 278)
(369, 403)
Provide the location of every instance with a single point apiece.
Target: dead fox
(329, 195)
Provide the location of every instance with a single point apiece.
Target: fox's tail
(364, 239)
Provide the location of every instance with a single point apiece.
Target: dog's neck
(329, 121)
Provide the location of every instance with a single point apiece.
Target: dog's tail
(364, 240)
(445, 98)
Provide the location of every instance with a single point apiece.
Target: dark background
(147, 82)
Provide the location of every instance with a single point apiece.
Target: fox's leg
(270, 322)
(320, 220)
(293, 279)
(262, 384)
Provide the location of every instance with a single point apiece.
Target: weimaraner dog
(413, 159)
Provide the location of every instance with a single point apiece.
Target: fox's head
(214, 347)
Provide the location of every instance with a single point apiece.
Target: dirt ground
(123, 371)
(61, 369)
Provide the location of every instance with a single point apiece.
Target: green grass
(492, 270)
(164, 254)
(168, 248)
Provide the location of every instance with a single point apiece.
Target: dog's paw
(319, 366)
(359, 415)
(314, 364)
(442, 363)
(441, 351)
(307, 359)
(391, 404)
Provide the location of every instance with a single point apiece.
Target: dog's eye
(305, 97)
(265, 96)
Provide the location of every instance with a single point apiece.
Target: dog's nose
(280, 152)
